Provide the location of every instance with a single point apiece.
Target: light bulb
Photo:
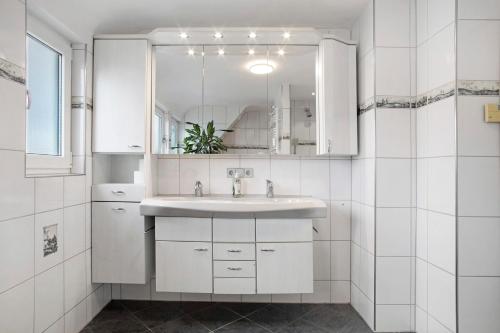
(281, 52)
(183, 35)
(218, 35)
(251, 52)
(252, 35)
(286, 35)
(220, 52)
(191, 52)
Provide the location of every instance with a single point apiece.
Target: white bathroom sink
(229, 207)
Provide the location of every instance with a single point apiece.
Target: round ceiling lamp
(261, 67)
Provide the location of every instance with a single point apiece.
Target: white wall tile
(16, 251)
(219, 182)
(90, 287)
(280, 298)
(421, 234)
(393, 280)
(393, 231)
(441, 296)
(74, 190)
(476, 137)
(12, 32)
(393, 182)
(393, 133)
(392, 23)
(420, 320)
(341, 220)
(88, 225)
(16, 307)
(436, 327)
(262, 172)
(42, 261)
(340, 291)
(340, 179)
(366, 29)
(422, 75)
(193, 297)
(74, 230)
(441, 240)
(422, 17)
(440, 128)
(12, 112)
(262, 298)
(74, 281)
(16, 191)
(192, 170)
(49, 291)
(421, 284)
(393, 318)
(479, 246)
(441, 184)
(340, 260)
(355, 263)
(442, 57)
(97, 300)
(168, 176)
(474, 35)
(321, 293)
(479, 304)
(479, 9)
(440, 14)
(322, 225)
(48, 193)
(136, 291)
(312, 177)
(367, 233)
(285, 175)
(393, 71)
(367, 134)
(163, 296)
(76, 319)
(321, 252)
(479, 186)
(363, 305)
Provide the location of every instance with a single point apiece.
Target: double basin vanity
(211, 244)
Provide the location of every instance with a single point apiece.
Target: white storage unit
(122, 239)
(121, 95)
(337, 127)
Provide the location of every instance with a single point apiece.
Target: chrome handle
(234, 250)
(267, 250)
(134, 146)
(28, 99)
(234, 268)
(201, 249)
(118, 192)
(119, 210)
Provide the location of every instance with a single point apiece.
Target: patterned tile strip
(12, 72)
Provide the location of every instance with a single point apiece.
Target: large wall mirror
(235, 99)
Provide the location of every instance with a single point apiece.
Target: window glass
(44, 87)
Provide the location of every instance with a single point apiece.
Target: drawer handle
(234, 250)
(134, 146)
(234, 268)
(267, 250)
(119, 210)
(118, 192)
(201, 249)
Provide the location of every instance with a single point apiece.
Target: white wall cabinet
(336, 99)
(121, 94)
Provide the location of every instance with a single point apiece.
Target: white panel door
(118, 243)
(120, 95)
(184, 267)
(284, 268)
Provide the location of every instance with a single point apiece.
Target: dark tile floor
(195, 317)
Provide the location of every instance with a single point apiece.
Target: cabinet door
(118, 243)
(120, 95)
(184, 267)
(284, 268)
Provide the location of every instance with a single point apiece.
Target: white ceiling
(87, 17)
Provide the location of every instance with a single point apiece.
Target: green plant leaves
(201, 141)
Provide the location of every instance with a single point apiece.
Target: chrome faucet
(198, 189)
(269, 189)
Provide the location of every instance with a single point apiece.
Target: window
(44, 117)
(48, 114)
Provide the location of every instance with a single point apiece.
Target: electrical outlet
(242, 172)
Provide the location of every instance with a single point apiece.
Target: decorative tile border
(366, 105)
(12, 72)
(435, 95)
(394, 102)
(79, 102)
(478, 88)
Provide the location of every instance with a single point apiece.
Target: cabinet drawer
(184, 267)
(183, 229)
(234, 251)
(234, 286)
(284, 230)
(234, 230)
(234, 269)
(118, 192)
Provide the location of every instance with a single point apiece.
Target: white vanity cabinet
(234, 256)
(121, 94)
(336, 132)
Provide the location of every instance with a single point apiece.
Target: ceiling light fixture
(183, 35)
(252, 35)
(202, 53)
(313, 93)
(281, 52)
(218, 35)
(260, 67)
(286, 35)
(251, 52)
(220, 52)
(191, 52)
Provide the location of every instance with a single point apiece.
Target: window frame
(37, 164)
